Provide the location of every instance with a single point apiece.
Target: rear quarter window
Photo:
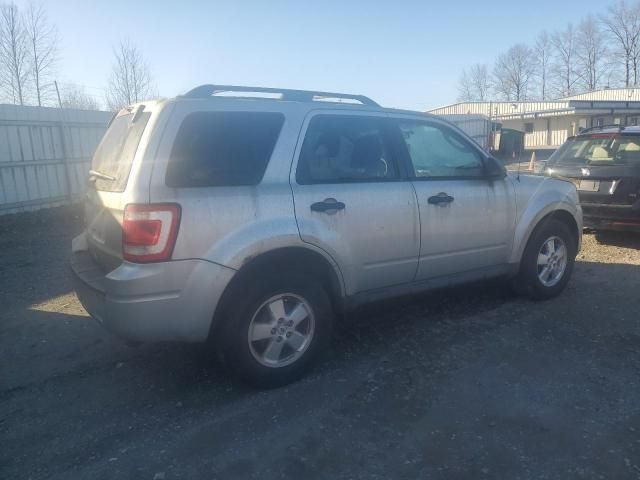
(223, 149)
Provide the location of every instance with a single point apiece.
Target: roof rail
(205, 91)
(602, 127)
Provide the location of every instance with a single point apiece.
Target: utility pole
(65, 157)
(490, 140)
(55, 82)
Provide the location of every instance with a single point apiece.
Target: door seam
(419, 227)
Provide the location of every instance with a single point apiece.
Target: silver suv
(254, 222)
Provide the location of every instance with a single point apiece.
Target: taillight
(149, 232)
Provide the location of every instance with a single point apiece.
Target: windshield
(114, 155)
(598, 149)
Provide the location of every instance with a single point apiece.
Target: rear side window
(344, 149)
(223, 149)
(114, 155)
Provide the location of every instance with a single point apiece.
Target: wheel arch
(296, 258)
(556, 212)
(569, 220)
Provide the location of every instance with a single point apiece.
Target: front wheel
(275, 329)
(547, 261)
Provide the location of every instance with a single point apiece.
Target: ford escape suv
(604, 163)
(254, 222)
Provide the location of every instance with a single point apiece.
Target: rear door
(466, 219)
(352, 198)
(109, 188)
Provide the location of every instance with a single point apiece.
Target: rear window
(223, 149)
(598, 149)
(114, 155)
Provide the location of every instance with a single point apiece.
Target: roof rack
(602, 127)
(205, 91)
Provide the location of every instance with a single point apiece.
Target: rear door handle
(328, 205)
(441, 199)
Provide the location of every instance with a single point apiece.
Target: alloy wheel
(281, 330)
(552, 261)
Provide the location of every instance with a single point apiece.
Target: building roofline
(590, 92)
(568, 98)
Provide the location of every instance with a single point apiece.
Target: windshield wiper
(102, 176)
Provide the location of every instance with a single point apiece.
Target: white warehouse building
(546, 125)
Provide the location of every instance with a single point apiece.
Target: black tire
(527, 282)
(238, 312)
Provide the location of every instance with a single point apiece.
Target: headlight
(539, 167)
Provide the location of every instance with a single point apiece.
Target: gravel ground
(468, 383)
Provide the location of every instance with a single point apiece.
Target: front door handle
(442, 199)
(329, 205)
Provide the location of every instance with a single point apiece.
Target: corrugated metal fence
(45, 155)
(478, 127)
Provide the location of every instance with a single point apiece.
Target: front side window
(223, 149)
(437, 151)
(341, 149)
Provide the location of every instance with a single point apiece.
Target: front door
(353, 200)
(466, 218)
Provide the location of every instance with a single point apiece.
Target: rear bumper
(168, 301)
(611, 217)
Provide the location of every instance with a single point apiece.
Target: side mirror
(494, 168)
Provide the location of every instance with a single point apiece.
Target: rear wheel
(275, 328)
(547, 261)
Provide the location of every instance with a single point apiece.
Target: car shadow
(69, 344)
(453, 302)
(60, 343)
(618, 239)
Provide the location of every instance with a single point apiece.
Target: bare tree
(76, 96)
(43, 45)
(474, 84)
(542, 51)
(564, 45)
(465, 89)
(480, 81)
(14, 64)
(130, 79)
(513, 73)
(591, 53)
(622, 22)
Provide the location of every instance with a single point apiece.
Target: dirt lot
(470, 383)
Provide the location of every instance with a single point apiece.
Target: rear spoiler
(126, 111)
(603, 127)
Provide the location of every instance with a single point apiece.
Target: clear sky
(406, 54)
